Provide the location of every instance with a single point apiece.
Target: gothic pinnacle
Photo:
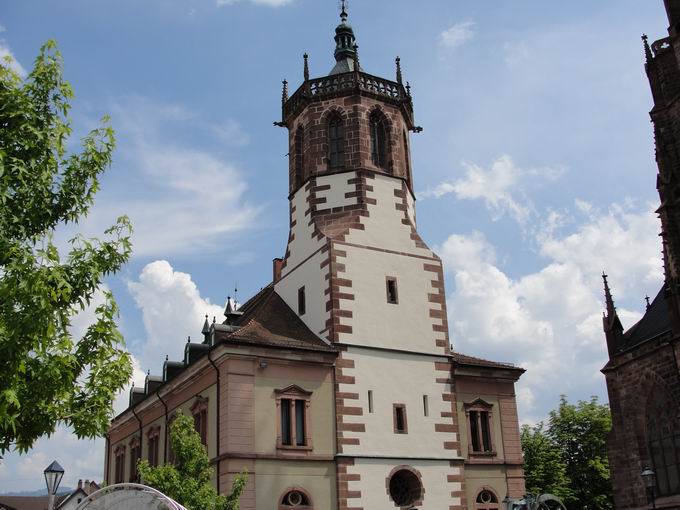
(306, 71)
(399, 78)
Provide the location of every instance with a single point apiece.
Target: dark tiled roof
(464, 359)
(654, 323)
(267, 320)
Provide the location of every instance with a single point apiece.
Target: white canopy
(128, 496)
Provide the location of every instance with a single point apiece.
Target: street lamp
(53, 475)
(649, 477)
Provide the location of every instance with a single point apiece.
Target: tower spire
(345, 43)
(609, 301)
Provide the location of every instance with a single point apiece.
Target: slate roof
(268, 321)
(654, 322)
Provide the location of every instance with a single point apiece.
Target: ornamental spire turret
(345, 44)
(611, 324)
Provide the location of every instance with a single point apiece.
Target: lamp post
(53, 475)
(649, 477)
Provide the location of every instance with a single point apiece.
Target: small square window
(392, 296)
(302, 305)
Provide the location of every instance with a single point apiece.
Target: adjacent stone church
(335, 385)
(643, 372)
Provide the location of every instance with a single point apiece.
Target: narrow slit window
(392, 295)
(400, 426)
(370, 401)
(302, 305)
(426, 406)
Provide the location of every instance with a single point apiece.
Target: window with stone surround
(119, 464)
(378, 128)
(399, 417)
(168, 445)
(293, 427)
(405, 487)
(200, 413)
(336, 142)
(153, 436)
(479, 416)
(135, 451)
(486, 500)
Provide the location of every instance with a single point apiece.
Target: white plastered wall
(374, 473)
(406, 325)
(383, 227)
(397, 378)
(312, 277)
(273, 478)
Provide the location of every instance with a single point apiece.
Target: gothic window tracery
(378, 127)
(298, 155)
(663, 435)
(336, 142)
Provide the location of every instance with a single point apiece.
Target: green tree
(580, 432)
(544, 469)
(188, 480)
(49, 377)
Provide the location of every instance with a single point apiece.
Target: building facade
(336, 386)
(643, 373)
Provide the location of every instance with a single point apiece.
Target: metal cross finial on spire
(343, 10)
(647, 301)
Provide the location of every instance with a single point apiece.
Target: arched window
(296, 498)
(298, 155)
(336, 142)
(486, 500)
(378, 140)
(663, 434)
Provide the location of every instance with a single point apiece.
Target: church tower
(359, 275)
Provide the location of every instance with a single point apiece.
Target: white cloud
(180, 197)
(172, 308)
(549, 321)
(502, 187)
(457, 35)
(270, 3)
(6, 52)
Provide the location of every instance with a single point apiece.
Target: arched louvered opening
(336, 142)
(379, 142)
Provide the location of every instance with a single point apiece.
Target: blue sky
(535, 170)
